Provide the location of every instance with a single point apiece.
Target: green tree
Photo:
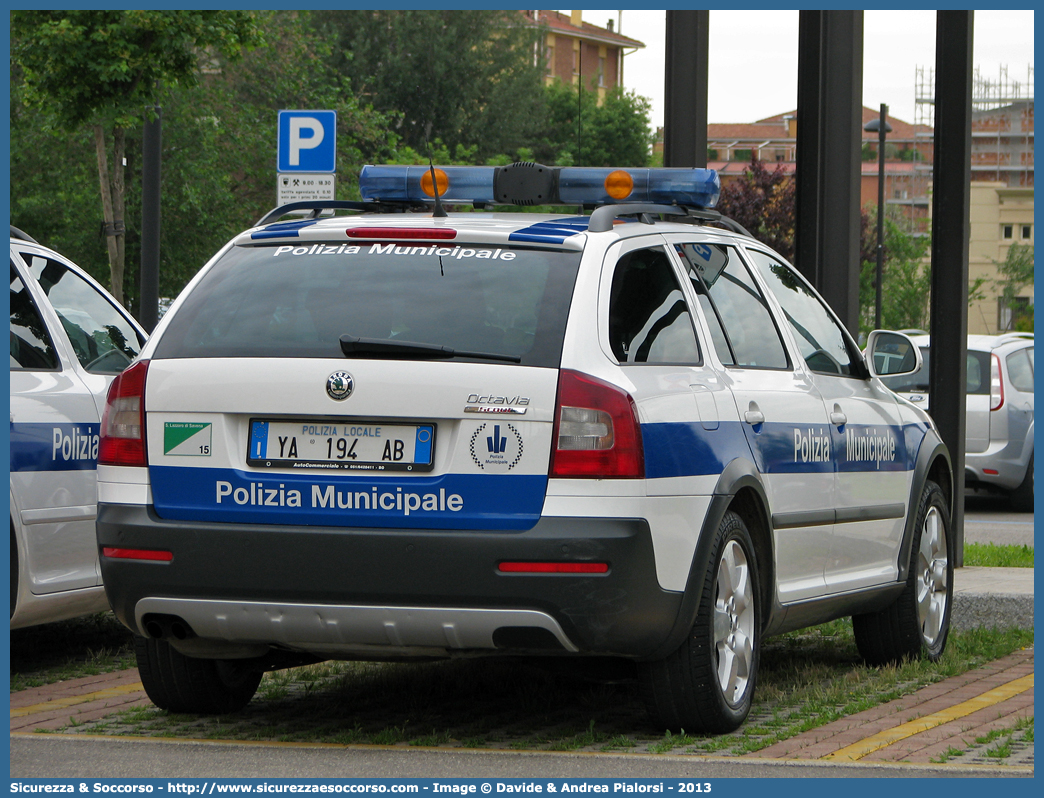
(1016, 274)
(907, 276)
(613, 132)
(218, 159)
(100, 68)
(464, 77)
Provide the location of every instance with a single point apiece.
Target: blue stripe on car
(54, 447)
(687, 449)
(551, 232)
(282, 230)
(452, 501)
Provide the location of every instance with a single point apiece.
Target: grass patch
(994, 555)
(70, 649)
(1001, 743)
(948, 754)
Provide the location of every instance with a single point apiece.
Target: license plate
(334, 445)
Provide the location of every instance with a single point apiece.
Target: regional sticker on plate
(352, 445)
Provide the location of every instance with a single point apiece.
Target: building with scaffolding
(1001, 213)
(1002, 124)
(1001, 156)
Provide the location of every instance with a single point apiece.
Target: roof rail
(317, 207)
(16, 233)
(707, 215)
(602, 218)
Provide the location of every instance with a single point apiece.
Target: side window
(31, 346)
(649, 321)
(977, 370)
(820, 339)
(741, 324)
(1020, 369)
(102, 338)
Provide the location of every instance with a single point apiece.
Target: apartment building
(579, 52)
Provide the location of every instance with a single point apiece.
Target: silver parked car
(999, 437)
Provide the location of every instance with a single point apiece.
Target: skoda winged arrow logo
(339, 385)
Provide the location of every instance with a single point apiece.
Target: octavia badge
(339, 385)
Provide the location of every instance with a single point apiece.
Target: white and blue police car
(406, 433)
(69, 338)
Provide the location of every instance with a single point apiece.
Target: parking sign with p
(307, 141)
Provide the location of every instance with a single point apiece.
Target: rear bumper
(372, 593)
(1009, 460)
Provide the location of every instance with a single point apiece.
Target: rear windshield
(284, 301)
(977, 376)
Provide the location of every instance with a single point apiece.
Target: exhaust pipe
(163, 627)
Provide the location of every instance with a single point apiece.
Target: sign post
(306, 155)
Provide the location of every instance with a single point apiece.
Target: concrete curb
(999, 597)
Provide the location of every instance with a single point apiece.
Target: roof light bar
(535, 184)
(413, 183)
(589, 186)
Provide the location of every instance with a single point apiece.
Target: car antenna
(440, 212)
(579, 115)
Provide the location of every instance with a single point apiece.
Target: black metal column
(148, 313)
(950, 232)
(685, 96)
(807, 256)
(829, 133)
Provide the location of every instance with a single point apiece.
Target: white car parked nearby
(69, 338)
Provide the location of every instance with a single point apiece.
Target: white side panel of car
(864, 554)
(54, 415)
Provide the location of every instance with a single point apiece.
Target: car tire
(1022, 497)
(706, 685)
(918, 622)
(178, 683)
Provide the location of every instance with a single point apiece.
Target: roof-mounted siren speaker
(525, 183)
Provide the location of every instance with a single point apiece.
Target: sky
(753, 69)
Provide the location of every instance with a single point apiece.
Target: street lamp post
(881, 127)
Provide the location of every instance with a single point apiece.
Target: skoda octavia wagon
(405, 433)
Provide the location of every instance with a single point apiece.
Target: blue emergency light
(536, 184)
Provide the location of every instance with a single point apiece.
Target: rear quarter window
(281, 301)
(1020, 369)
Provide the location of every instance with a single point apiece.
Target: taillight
(996, 384)
(123, 425)
(597, 434)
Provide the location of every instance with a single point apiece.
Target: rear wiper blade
(382, 347)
